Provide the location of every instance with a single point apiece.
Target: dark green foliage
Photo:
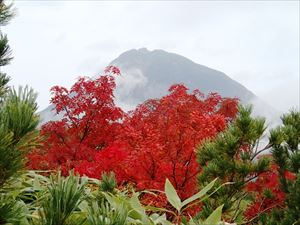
(4, 60)
(5, 51)
(292, 213)
(11, 160)
(62, 199)
(286, 154)
(6, 13)
(108, 182)
(18, 133)
(18, 113)
(18, 123)
(101, 213)
(10, 212)
(18, 120)
(3, 86)
(231, 156)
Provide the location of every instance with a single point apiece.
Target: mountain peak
(135, 51)
(143, 50)
(163, 69)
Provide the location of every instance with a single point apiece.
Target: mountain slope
(153, 72)
(148, 74)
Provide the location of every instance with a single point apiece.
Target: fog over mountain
(149, 74)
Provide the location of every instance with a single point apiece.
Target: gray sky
(255, 43)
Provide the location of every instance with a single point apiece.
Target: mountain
(148, 74)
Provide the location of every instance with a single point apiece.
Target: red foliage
(154, 142)
(161, 135)
(267, 192)
(90, 123)
(111, 158)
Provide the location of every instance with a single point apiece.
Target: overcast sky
(255, 43)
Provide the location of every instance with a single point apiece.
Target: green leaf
(36, 184)
(160, 219)
(200, 193)
(172, 196)
(215, 217)
(83, 206)
(135, 203)
(137, 206)
(157, 209)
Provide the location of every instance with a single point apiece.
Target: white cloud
(126, 84)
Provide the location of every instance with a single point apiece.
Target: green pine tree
(6, 13)
(285, 141)
(232, 157)
(18, 123)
